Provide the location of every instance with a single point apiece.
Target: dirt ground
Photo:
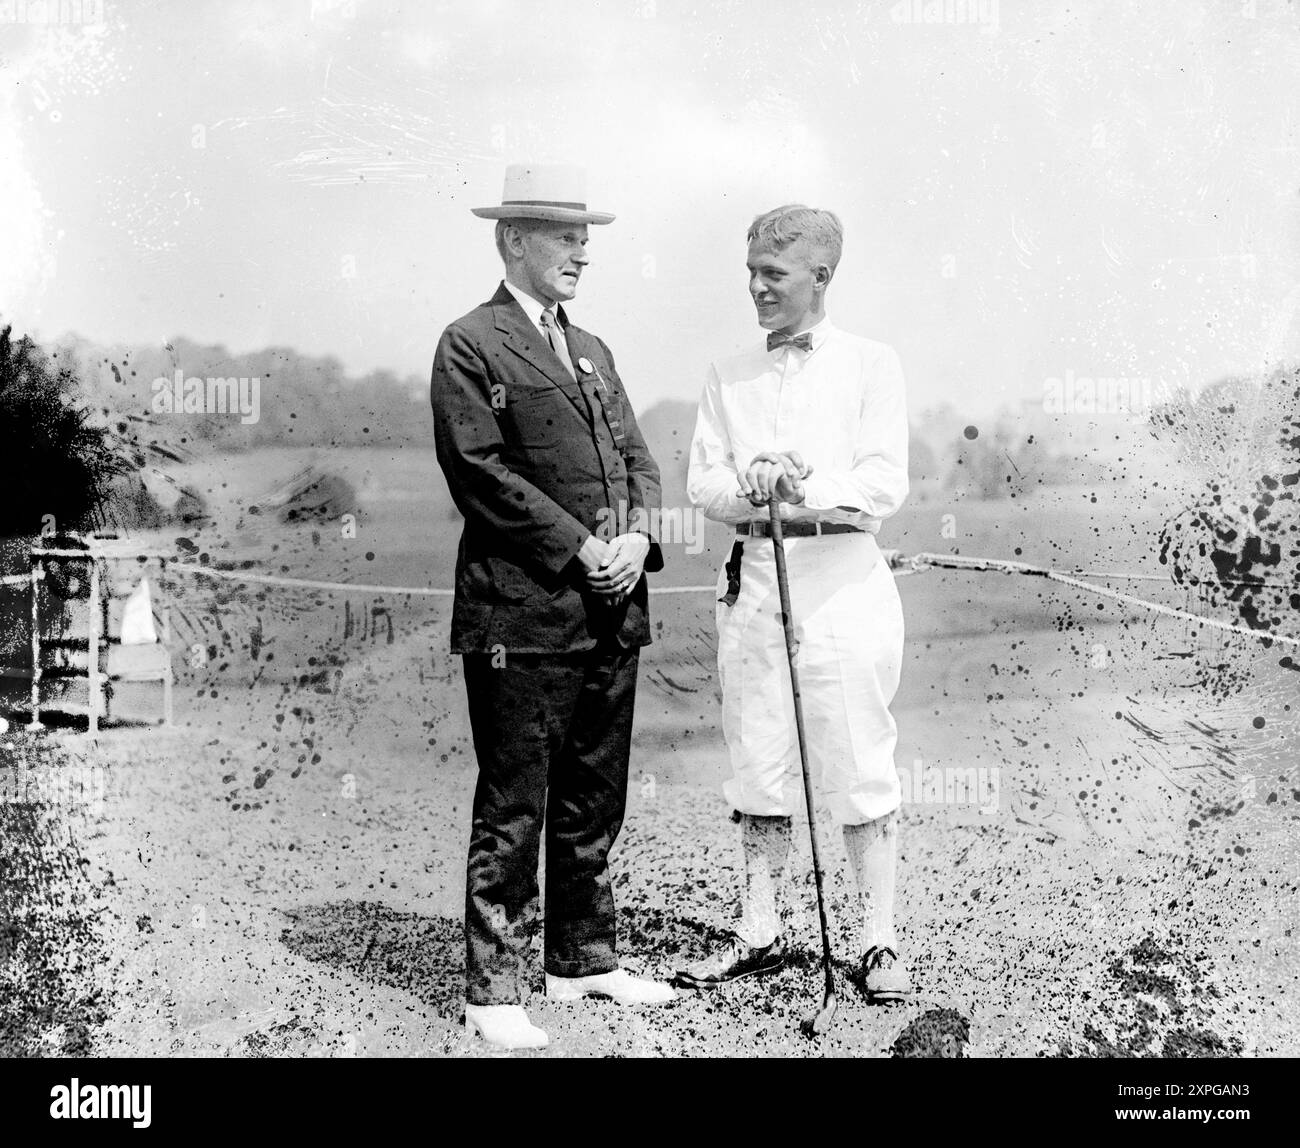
(282, 874)
(1098, 855)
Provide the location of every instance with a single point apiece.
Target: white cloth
(849, 626)
(137, 617)
(842, 406)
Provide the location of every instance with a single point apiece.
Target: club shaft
(787, 621)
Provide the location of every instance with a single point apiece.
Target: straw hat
(553, 191)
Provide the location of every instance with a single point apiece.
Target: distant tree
(982, 467)
(922, 462)
(53, 460)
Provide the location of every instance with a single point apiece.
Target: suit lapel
(581, 345)
(585, 347)
(527, 342)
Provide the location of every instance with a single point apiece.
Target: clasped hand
(775, 475)
(614, 567)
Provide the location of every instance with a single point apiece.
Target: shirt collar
(532, 308)
(818, 332)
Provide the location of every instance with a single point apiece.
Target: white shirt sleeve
(876, 484)
(712, 482)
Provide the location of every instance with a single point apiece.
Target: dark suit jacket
(534, 467)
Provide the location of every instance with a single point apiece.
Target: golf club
(819, 1022)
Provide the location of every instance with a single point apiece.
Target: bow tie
(775, 340)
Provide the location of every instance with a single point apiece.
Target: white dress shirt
(841, 405)
(532, 308)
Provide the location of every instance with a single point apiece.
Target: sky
(1027, 189)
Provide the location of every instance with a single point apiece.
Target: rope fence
(957, 562)
(915, 564)
(899, 562)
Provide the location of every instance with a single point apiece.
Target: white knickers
(849, 626)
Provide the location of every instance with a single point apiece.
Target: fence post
(167, 639)
(35, 723)
(92, 644)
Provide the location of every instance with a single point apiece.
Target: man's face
(783, 285)
(554, 255)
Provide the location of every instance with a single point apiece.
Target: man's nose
(581, 257)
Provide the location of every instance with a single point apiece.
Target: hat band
(542, 203)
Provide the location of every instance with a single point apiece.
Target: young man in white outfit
(816, 418)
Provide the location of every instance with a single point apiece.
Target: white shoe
(504, 1025)
(619, 985)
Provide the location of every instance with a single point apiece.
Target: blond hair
(785, 225)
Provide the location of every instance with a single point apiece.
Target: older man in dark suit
(540, 447)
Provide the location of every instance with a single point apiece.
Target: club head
(819, 1023)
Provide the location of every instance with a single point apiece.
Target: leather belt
(796, 529)
(793, 529)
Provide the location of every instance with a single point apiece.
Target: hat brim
(540, 211)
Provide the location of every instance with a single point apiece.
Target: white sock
(765, 842)
(873, 853)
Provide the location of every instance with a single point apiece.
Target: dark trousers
(552, 733)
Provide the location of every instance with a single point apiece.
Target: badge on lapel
(584, 365)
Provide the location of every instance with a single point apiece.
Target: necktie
(775, 341)
(556, 338)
